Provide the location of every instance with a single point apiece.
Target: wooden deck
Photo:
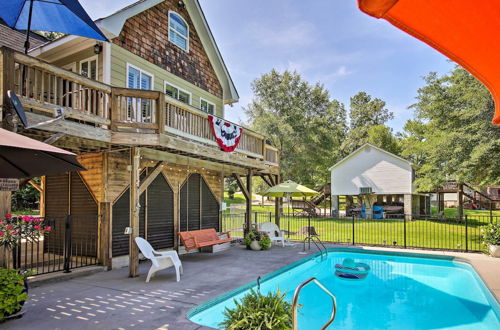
(100, 117)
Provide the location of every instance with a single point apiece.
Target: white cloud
(301, 33)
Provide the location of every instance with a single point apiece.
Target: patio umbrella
(22, 157)
(465, 31)
(65, 16)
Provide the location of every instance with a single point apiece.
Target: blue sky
(326, 41)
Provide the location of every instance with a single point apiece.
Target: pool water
(402, 291)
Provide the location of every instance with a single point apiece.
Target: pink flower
(8, 216)
(37, 227)
(27, 218)
(48, 228)
(15, 232)
(37, 220)
(1, 233)
(9, 227)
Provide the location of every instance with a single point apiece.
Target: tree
(367, 118)
(301, 121)
(451, 136)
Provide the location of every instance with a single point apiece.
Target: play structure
(316, 206)
(351, 270)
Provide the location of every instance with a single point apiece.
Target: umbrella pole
(27, 42)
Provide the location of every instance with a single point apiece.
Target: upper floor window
(178, 30)
(88, 67)
(207, 106)
(177, 93)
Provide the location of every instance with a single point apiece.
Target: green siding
(121, 57)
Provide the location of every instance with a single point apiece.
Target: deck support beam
(135, 159)
(278, 202)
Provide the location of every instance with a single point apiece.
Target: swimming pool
(402, 291)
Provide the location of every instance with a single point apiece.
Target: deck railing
(44, 88)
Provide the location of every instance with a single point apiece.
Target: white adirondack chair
(159, 260)
(273, 231)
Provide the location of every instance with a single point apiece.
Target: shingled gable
(114, 24)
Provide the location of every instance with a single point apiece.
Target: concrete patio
(111, 300)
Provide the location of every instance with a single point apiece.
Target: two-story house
(136, 111)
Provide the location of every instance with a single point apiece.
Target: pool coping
(214, 301)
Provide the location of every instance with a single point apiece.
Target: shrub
(260, 236)
(256, 311)
(12, 291)
(491, 234)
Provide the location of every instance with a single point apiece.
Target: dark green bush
(257, 311)
(11, 291)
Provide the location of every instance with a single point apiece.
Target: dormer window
(178, 30)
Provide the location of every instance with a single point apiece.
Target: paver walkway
(111, 300)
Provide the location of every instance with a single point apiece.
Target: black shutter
(121, 219)
(210, 208)
(160, 213)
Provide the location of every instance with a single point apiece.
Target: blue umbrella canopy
(65, 16)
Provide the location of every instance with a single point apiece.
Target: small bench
(195, 239)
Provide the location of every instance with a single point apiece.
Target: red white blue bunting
(227, 134)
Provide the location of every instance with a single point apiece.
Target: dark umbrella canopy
(65, 16)
(22, 157)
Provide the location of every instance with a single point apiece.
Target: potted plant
(257, 240)
(13, 292)
(257, 311)
(491, 238)
(13, 284)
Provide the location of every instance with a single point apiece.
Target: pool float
(351, 270)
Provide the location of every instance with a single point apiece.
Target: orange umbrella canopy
(466, 31)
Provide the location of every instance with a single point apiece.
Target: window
(139, 110)
(177, 93)
(88, 67)
(178, 30)
(207, 106)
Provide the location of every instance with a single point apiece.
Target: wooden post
(177, 217)
(277, 204)
(135, 159)
(161, 113)
(41, 203)
(104, 232)
(460, 199)
(248, 218)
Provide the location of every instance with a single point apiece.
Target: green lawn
(442, 234)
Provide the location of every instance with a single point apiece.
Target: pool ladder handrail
(320, 248)
(295, 302)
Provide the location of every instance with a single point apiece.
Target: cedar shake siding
(146, 35)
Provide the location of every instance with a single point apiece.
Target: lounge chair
(195, 239)
(159, 260)
(273, 231)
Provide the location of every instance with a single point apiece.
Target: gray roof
(15, 39)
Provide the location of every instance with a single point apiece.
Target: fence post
(309, 229)
(270, 216)
(353, 230)
(67, 244)
(255, 220)
(466, 234)
(404, 231)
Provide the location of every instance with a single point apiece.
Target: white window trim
(71, 67)
(89, 59)
(165, 83)
(215, 107)
(141, 71)
(187, 27)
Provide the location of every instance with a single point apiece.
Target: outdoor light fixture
(97, 48)
(181, 4)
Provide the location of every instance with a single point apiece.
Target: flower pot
(495, 251)
(255, 245)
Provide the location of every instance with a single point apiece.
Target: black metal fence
(71, 243)
(402, 231)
